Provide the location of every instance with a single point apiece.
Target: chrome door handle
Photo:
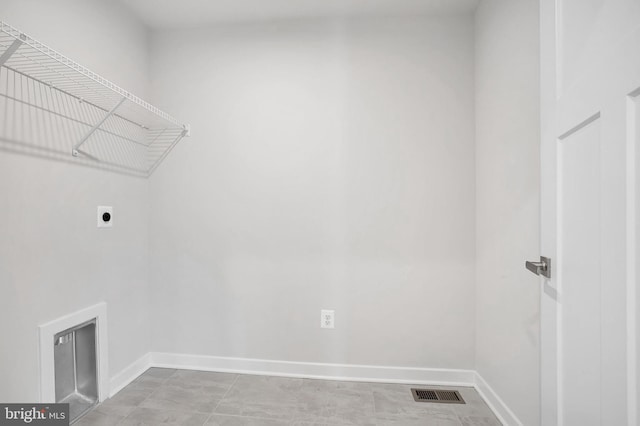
(540, 268)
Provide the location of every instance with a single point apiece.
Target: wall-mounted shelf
(53, 107)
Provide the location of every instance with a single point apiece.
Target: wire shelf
(53, 107)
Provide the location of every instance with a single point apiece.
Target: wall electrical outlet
(327, 318)
(105, 216)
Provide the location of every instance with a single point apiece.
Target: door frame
(548, 190)
(632, 258)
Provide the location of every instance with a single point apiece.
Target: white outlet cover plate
(327, 318)
(102, 210)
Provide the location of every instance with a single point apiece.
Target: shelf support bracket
(10, 51)
(76, 148)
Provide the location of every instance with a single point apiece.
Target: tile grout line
(221, 399)
(150, 393)
(373, 400)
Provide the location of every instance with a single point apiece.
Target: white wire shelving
(52, 107)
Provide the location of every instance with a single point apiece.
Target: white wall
(331, 166)
(507, 201)
(53, 259)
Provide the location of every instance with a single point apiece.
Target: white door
(590, 147)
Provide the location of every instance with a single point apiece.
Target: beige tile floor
(182, 397)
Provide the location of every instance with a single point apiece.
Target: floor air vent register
(438, 396)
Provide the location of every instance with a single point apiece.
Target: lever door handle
(540, 268)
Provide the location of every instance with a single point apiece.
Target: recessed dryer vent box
(76, 372)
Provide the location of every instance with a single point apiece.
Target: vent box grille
(436, 395)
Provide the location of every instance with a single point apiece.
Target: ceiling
(186, 13)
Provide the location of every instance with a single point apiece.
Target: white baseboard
(497, 405)
(311, 370)
(129, 374)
